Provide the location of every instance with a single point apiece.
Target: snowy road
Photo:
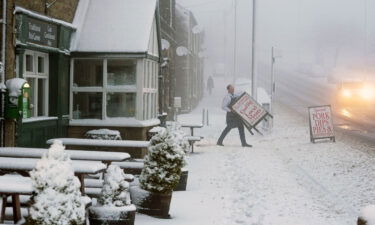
(301, 91)
(282, 180)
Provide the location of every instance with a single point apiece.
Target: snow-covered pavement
(283, 179)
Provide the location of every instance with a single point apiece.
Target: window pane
(31, 82)
(40, 64)
(121, 72)
(88, 73)
(121, 104)
(29, 63)
(41, 97)
(87, 105)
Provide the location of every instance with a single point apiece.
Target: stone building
(189, 64)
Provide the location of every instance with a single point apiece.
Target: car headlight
(346, 93)
(367, 93)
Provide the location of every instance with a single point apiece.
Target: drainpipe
(4, 23)
(2, 73)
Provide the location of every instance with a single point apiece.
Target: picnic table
(105, 157)
(192, 127)
(104, 143)
(13, 185)
(110, 144)
(24, 165)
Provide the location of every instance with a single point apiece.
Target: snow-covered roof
(113, 25)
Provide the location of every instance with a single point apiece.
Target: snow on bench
(23, 165)
(134, 167)
(13, 185)
(74, 154)
(192, 127)
(98, 183)
(102, 143)
(192, 140)
(28, 164)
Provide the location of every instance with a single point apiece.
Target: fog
(317, 37)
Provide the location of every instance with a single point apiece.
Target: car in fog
(355, 97)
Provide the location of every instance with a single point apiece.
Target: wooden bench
(14, 186)
(24, 165)
(192, 140)
(107, 144)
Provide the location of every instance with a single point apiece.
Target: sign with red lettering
(321, 125)
(249, 110)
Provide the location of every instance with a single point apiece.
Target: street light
(253, 78)
(235, 41)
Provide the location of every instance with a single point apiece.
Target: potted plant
(57, 199)
(180, 139)
(160, 174)
(114, 206)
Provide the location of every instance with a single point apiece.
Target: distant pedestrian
(233, 120)
(210, 84)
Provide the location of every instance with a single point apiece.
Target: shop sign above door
(42, 33)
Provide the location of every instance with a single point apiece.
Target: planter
(181, 186)
(106, 215)
(151, 203)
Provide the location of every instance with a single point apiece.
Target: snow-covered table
(13, 185)
(24, 165)
(131, 167)
(192, 127)
(106, 157)
(133, 146)
(104, 143)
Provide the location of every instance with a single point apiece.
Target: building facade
(168, 66)
(91, 65)
(38, 51)
(189, 64)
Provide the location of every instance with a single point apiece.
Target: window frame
(35, 75)
(105, 89)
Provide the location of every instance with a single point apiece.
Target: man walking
(210, 84)
(233, 120)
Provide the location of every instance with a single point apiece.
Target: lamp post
(235, 41)
(253, 78)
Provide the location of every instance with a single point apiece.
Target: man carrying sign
(233, 120)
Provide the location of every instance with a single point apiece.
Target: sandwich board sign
(250, 111)
(321, 125)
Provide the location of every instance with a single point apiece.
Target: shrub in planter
(114, 206)
(56, 199)
(180, 140)
(160, 174)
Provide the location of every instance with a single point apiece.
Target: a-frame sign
(321, 125)
(250, 111)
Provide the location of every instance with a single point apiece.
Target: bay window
(103, 88)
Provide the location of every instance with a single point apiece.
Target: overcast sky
(327, 33)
